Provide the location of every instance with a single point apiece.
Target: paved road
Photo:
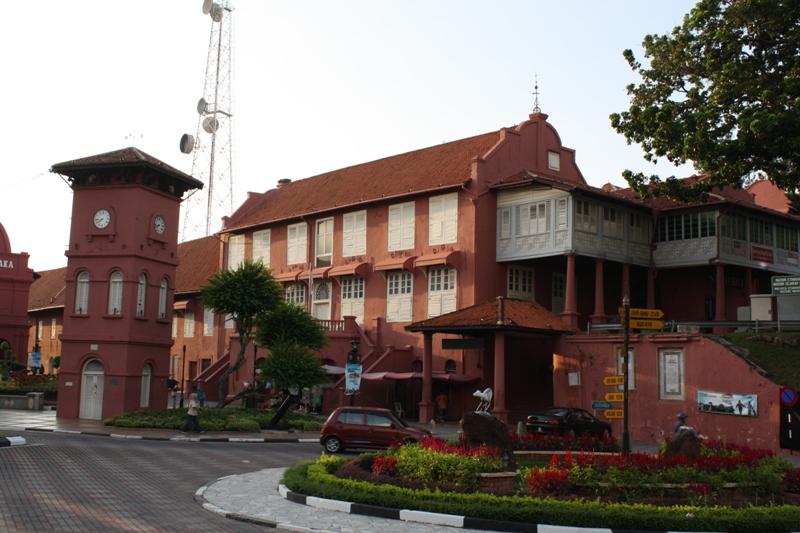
(77, 483)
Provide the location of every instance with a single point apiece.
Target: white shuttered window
(443, 219)
(82, 294)
(235, 251)
(401, 226)
(296, 243)
(399, 297)
(261, 243)
(188, 323)
(354, 234)
(208, 322)
(441, 291)
(115, 294)
(141, 295)
(353, 298)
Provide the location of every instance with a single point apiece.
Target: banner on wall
(724, 403)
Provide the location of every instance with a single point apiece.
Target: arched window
(296, 293)
(145, 401)
(82, 294)
(162, 299)
(450, 366)
(115, 294)
(141, 295)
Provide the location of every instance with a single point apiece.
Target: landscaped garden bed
(728, 488)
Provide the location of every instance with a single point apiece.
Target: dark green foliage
(247, 293)
(290, 322)
(292, 365)
(722, 91)
(772, 352)
(231, 419)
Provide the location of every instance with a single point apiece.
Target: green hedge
(213, 419)
(315, 479)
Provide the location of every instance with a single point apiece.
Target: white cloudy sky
(319, 85)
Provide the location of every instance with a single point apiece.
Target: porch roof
(506, 314)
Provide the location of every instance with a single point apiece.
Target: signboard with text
(786, 285)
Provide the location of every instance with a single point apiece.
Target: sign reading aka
(6, 263)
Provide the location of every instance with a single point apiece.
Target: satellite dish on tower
(187, 143)
(216, 12)
(202, 105)
(207, 6)
(210, 124)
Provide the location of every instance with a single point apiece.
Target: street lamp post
(626, 438)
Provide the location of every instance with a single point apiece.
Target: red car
(366, 427)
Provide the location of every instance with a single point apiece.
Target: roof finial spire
(536, 108)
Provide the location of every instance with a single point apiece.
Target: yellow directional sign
(615, 396)
(643, 324)
(614, 413)
(614, 380)
(642, 313)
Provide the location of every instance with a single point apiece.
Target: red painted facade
(125, 219)
(15, 282)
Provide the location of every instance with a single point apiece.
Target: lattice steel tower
(213, 145)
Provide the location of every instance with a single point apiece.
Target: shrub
(243, 424)
(791, 480)
(547, 481)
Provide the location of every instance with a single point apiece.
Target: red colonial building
(483, 262)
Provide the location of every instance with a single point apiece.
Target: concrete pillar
(599, 316)
(651, 288)
(426, 412)
(570, 314)
(499, 389)
(719, 315)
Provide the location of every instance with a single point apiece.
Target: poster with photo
(352, 381)
(724, 403)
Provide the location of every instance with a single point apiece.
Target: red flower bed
(552, 442)
(438, 444)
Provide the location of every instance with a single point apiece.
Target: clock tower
(120, 283)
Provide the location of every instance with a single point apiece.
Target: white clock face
(159, 224)
(102, 218)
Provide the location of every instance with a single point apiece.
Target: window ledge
(142, 318)
(116, 317)
(81, 315)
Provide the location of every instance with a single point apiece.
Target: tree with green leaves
(722, 91)
(292, 336)
(245, 294)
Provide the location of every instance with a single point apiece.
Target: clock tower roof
(114, 167)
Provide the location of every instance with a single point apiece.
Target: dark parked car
(567, 421)
(366, 427)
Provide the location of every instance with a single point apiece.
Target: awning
(321, 273)
(437, 376)
(397, 263)
(452, 259)
(182, 304)
(288, 276)
(352, 269)
(333, 370)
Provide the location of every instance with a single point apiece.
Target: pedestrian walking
(194, 409)
(201, 395)
(441, 403)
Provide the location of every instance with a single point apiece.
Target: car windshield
(559, 412)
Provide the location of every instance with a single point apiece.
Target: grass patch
(213, 419)
(773, 352)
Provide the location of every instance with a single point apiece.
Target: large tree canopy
(721, 91)
(245, 294)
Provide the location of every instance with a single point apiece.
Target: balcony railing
(332, 325)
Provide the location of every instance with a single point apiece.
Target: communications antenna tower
(212, 147)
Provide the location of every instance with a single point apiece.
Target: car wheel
(606, 433)
(333, 445)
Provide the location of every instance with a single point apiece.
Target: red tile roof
(125, 157)
(198, 260)
(445, 165)
(507, 314)
(48, 290)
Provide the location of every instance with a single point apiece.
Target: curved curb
(208, 506)
(12, 441)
